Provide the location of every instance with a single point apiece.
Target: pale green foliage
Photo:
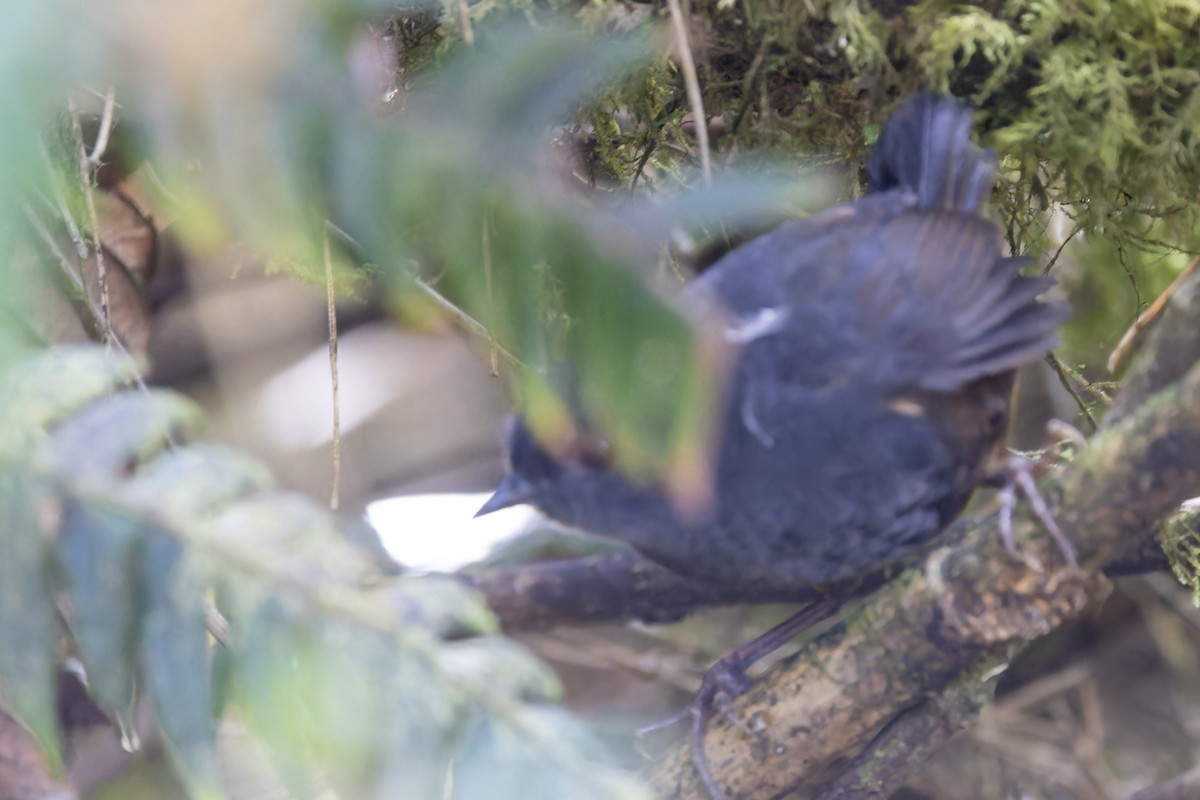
(449, 187)
(1093, 107)
(381, 686)
(1180, 540)
(957, 39)
(861, 38)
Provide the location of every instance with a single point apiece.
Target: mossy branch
(941, 630)
(969, 607)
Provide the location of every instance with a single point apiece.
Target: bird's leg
(1008, 503)
(1022, 470)
(1019, 476)
(726, 679)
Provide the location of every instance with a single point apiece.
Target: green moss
(1180, 540)
(1092, 106)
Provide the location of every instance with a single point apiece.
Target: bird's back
(876, 347)
(878, 341)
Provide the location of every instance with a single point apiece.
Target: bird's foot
(723, 682)
(1019, 477)
(727, 679)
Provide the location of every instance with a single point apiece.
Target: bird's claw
(723, 682)
(1008, 503)
(726, 680)
(1019, 478)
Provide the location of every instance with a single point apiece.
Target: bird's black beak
(512, 491)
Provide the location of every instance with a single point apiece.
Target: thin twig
(1121, 351)
(1161, 244)
(1054, 258)
(485, 246)
(465, 320)
(106, 124)
(60, 205)
(217, 625)
(643, 160)
(1064, 378)
(748, 84)
(692, 83)
(64, 263)
(331, 306)
(472, 325)
(1137, 292)
(76, 281)
(87, 183)
(464, 23)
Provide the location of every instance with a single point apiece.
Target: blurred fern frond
(382, 687)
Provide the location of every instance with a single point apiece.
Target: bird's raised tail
(926, 148)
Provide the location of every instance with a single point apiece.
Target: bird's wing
(788, 296)
(902, 298)
(838, 324)
(948, 308)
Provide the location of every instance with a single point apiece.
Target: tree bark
(969, 607)
(24, 772)
(847, 715)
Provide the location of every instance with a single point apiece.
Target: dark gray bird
(878, 343)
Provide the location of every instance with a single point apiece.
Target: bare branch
(880, 770)
(625, 586)
(687, 65)
(335, 400)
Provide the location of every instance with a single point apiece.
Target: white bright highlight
(438, 532)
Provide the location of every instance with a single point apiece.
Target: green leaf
(349, 669)
(754, 200)
(417, 766)
(186, 483)
(293, 534)
(506, 92)
(40, 390)
(271, 684)
(176, 660)
(98, 550)
(502, 664)
(500, 758)
(28, 666)
(113, 434)
(427, 709)
(342, 674)
(450, 192)
(443, 605)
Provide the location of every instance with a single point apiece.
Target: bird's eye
(998, 417)
(588, 450)
(594, 451)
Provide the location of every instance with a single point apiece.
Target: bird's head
(536, 476)
(577, 485)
